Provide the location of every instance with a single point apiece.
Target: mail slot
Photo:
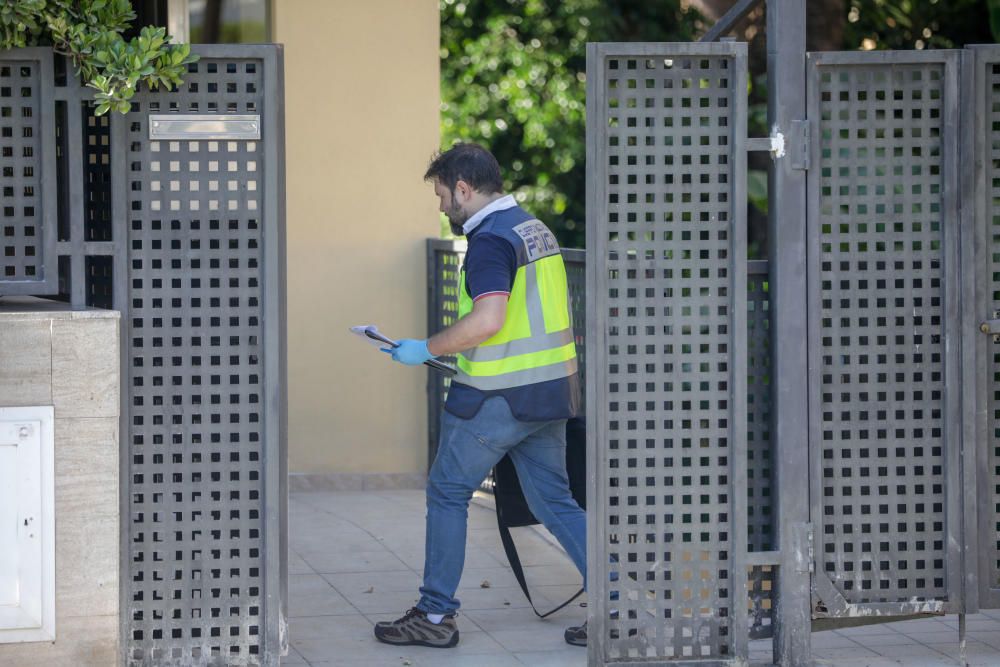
(188, 127)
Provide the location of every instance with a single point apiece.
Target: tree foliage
(917, 24)
(513, 79)
(89, 33)
(513, 74)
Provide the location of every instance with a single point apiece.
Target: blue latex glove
(410, 352)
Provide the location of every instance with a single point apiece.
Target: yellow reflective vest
(536, 342)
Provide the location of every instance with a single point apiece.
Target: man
(517, 384)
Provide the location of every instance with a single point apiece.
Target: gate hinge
(798, 140)
(992, 327)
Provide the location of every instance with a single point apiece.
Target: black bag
(512, 508)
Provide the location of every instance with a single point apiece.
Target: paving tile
(981, 625)
(843, 652)
(831, 639)
(349, 583)
(883, 662)
(497, 576)
(862, 630)
(903, 651)
(497, 597)
(570, 656)
(311, 595)
(553, 575)
(935, 638)
(474, 557)
(991, 638)
(971, 648)
(354, 653)
(296, 565)
(427, 659)
(492, 620)
(293, 659)
(321, 627)
(362, 540)
(384, 602)
(547, 637)
(918, 625)
(358, 561)
(878, 642)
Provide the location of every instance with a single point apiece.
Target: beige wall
(362, 120)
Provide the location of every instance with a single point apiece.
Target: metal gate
(902, 315)
(667, 353)
(884, 332)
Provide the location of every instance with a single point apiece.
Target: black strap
(515, 565)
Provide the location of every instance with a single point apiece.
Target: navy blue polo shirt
(490, 267)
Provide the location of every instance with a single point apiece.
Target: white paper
(370, 333)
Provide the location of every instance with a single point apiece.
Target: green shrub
(89, 34)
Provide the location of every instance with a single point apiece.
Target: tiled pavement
(356, 557)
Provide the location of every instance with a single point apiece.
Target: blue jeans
(468, 449)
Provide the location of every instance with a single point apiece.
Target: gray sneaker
(576, 635)
(415, 629)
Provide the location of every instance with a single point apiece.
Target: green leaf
(757, 189)
(994, 9)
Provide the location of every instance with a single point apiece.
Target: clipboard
(371, 334)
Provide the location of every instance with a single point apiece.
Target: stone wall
(50, 355)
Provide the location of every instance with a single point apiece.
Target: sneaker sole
(452, 643)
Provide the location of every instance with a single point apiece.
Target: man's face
(451, 207)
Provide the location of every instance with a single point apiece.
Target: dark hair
(466, 162)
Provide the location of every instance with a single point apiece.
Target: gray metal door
(667, 353)
(884, 333)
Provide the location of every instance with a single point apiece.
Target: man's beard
(456, 218)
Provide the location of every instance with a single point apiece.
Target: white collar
(501, 204)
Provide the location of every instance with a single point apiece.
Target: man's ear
(463, 191)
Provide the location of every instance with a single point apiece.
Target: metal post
(786, 47)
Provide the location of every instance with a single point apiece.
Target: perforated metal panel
(760, 514)
(884, 429)
(204, 357)
(667, 353)
(28, 262)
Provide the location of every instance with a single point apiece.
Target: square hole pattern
(881, 376)
(667, 371)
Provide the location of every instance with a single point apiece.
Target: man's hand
(410, 352)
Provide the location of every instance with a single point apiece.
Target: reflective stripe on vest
(536, 343)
